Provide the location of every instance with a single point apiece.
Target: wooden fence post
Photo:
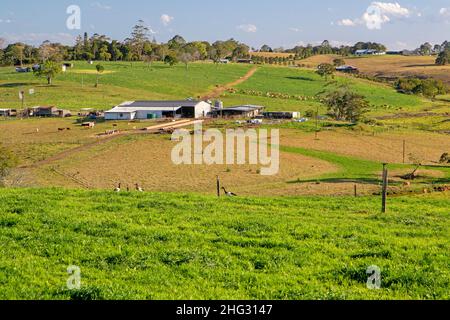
(218, 187)
(385, 187)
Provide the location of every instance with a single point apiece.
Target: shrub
(429, 88)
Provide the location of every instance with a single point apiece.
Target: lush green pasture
(120, 82)
(307, 83)
(175, 246)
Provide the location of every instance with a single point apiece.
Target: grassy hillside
(307, 84)
(124, 81)
(120, 82)
(180, 246)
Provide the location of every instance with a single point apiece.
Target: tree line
(139, 47)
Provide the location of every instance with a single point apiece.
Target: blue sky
(398, 24)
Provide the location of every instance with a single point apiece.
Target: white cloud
(166, 19)
(377, 14)
(337, 43)
(250, 28)
(152, 31)
(5, 21)
(100, 6)
(295, 29)
(391, 9)
(347, 23)
(445, 12)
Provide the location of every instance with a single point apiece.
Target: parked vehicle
(23, 69)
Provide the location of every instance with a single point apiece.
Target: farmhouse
(369, 52)
(141, 110)
(246, 111)
(347, 69)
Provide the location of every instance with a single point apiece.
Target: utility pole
(384, 190)
(22, 98)
(317, 124)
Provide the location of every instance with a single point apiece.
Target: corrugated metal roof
(244, 108)
(160, 104)
(122, 109)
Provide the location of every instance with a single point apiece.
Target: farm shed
(44, 111)
(246, 111)
(159, 109)
(250, 61)
(282, 115)
(347, 69)
(5, 112)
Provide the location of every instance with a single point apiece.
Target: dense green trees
(429, 88)
(344, 104)
(139, 47)
(443, 58)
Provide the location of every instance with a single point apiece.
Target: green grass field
(124, 82)
(186, 246)
(195, 246)
(121, 82)
(307, 83)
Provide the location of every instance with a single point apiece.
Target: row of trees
(302, 52)
(428, 49)
(138, 47)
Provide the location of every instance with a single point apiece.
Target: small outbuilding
(347, 69)
(49, 111)
(281, 115)
(245, 111)
(5, 112)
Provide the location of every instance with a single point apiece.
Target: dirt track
(217, 92)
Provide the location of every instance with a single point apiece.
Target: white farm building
(142, 110)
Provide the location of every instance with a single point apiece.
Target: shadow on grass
(300, 78)
(421, 65)
(338, 181)
(15, 85)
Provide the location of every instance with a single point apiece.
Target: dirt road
(217, 92)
